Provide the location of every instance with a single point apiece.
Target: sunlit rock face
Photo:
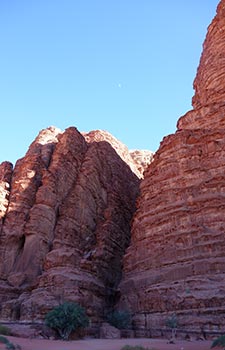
(138, 160)
(209, 82)
(65, 218)
(176, 261)
(6, 170)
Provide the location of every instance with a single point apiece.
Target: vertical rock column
(6, 170)
(67, 224)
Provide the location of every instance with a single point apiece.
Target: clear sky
(126, 66)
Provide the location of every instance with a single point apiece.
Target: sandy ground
(103, 344)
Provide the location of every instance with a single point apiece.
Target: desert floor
(104, 344)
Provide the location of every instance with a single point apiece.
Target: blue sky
(126, 66)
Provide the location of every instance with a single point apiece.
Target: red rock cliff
(176, 260)
(138, 160)
(65, 223)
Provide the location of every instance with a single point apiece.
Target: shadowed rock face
(65, 223)
(138, 160)
(176, 260)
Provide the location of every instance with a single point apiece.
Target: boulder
(109, 332)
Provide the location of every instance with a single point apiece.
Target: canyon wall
(65, 213)
(176, 262)
(66, 210)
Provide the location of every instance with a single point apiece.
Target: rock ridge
(65, 213)
(175, 262)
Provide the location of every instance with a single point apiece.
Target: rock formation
(65, 223)
(138, 160)
(176, 262)
(66, 208)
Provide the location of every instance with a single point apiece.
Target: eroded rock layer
(65, 223)
(176, 260)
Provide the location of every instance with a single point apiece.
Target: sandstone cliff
(176, 260)
(138, 160)
(65, 223)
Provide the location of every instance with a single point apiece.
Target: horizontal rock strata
(176, 261)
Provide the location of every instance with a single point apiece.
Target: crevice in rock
(21, 243)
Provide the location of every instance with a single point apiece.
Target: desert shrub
(11, 346)
(4, 330)
(220, 342)
(3, 340)
(172, 323)
(8, 344)
(119, 319)
(66, 318)
(135, 347)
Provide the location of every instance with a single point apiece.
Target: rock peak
(178, 230)
(137, 160)
(65, 214)
(209, 83)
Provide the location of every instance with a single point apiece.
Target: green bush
(119, 319)
(220, 342)
(172, 323)
(8, 344)
(3, 340)
(135, 347)
(4, 330)
(66, 318)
